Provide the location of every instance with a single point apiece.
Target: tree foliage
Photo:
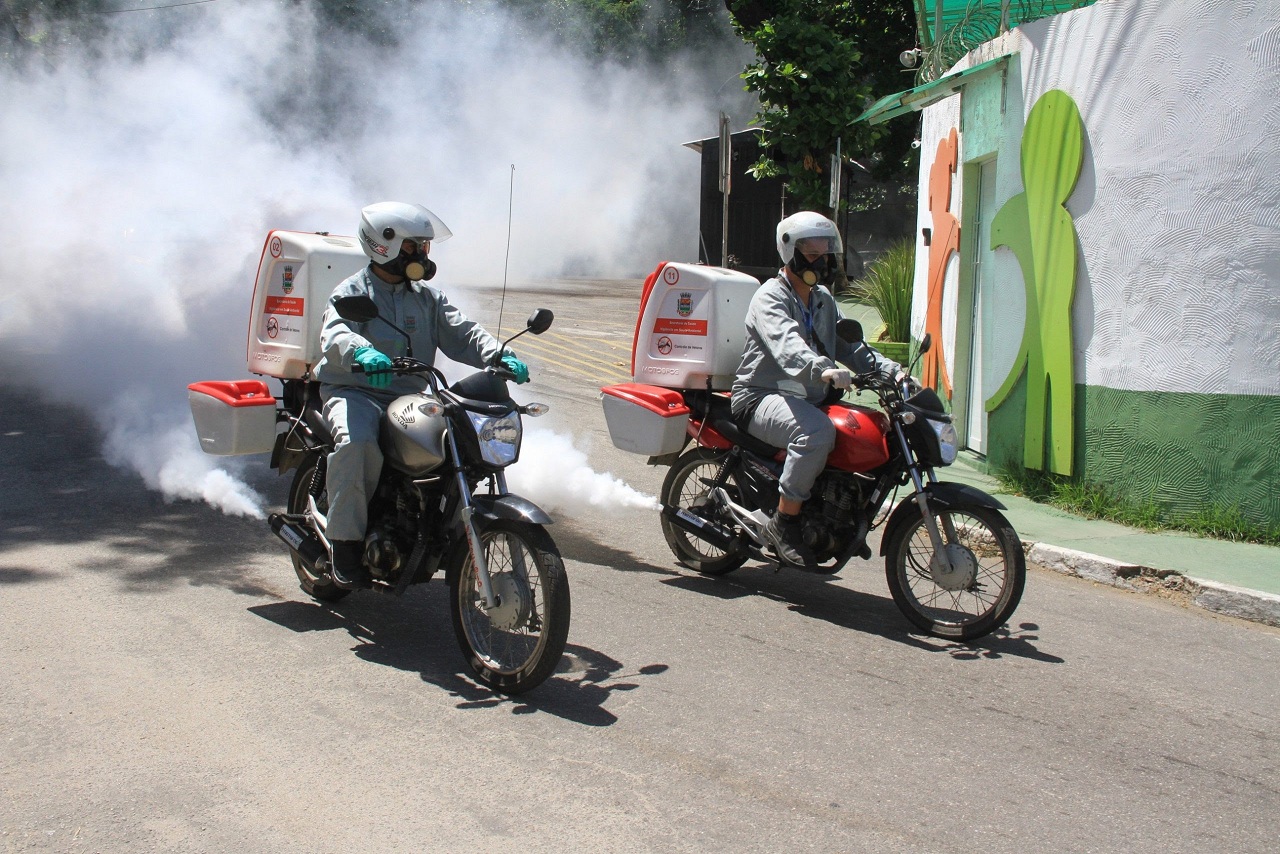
(819, 64)
(627, 31)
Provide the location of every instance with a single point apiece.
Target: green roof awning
(892, 106)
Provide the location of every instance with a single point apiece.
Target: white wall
(1177, 210)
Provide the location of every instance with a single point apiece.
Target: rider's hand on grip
(375, 364)
(519, 370)
(838, 377)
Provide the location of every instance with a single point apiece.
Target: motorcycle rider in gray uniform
(789, 361)
(397, 237)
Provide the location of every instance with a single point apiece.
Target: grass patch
(1097, 502)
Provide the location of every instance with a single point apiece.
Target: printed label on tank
(284, 305)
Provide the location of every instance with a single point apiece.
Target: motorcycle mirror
(540, 321)
(358, 308)
(849, 330)
(361, 309)
(925, 343)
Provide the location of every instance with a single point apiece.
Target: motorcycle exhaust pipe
(704, 529)
(302, 540)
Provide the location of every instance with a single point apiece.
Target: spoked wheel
(687, 485)
(983, 585)
(317, 584)
(516, 645)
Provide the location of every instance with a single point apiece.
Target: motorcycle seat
(313, 415)
(729, 428)
(715, 408)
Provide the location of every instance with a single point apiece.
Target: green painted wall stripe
(1184, 452)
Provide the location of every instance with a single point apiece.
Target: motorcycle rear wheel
(685, 486)
(518, 644)
(316, 584)
(983, 591)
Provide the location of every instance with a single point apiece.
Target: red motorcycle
(953, 562)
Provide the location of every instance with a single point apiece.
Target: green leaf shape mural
(1036, 226)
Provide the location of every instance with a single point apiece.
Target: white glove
(838, 377)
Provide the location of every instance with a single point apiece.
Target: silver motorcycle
(441, 502)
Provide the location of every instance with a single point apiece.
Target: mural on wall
(1036, 226)
(944, 241)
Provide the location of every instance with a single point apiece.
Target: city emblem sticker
(287, 282)
(684, 305)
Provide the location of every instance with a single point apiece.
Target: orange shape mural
(944, 242)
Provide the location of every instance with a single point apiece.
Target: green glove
(377, 367)
(517, 367)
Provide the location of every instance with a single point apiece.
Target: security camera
(915, 143)
(910, 58)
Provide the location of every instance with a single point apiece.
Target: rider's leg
(808, 435)
(352, 476)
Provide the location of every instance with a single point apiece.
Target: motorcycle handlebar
(400, 366)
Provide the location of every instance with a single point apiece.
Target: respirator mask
(413, 266)
(812, 272)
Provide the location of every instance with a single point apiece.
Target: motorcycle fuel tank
(861, 438)
(411, 441)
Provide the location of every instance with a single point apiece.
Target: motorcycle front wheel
(981, 589)
(516, 645)
(686, 486)
(317, 584)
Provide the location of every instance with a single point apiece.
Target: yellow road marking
(585, 356)
(574, 339)
(601, 370)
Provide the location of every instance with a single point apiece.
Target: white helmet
(807, 225)
(810, 232)
(383, 226)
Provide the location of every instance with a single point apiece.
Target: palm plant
(888, 285)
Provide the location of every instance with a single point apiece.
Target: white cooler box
(645, 419)
(233, 416)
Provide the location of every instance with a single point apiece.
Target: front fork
(940, 555)
(467, 510)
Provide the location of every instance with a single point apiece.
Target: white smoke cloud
(138, 181)
(553, 473)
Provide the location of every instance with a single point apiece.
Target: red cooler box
(233, 416)
(645, 419)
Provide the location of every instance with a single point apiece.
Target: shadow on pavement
(56, 489)
(576, 546)
(817, 597)
(415, 634)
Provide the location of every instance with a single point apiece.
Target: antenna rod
(510, 195)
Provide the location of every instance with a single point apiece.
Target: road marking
(602, 368)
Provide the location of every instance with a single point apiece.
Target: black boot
(347, 567)
(786, 535)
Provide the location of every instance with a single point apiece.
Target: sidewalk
(1237, 579)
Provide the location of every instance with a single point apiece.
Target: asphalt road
(165, 686)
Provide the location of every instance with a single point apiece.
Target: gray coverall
(353, 407)
(780, 378)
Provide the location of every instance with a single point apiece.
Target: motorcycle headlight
(499, 437)
(948, 441)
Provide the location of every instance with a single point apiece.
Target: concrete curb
(1239, 602)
